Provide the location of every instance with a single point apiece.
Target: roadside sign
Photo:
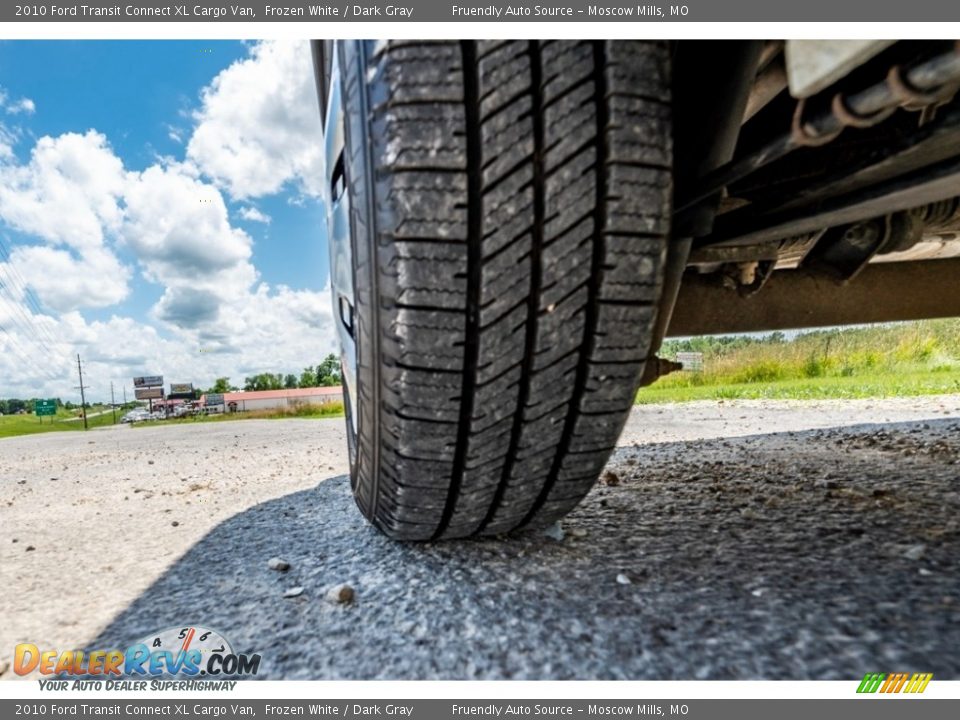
(148, 381)
(182, 391)
(692, 361)
(45, 407)
(148, 393)
(213, 399)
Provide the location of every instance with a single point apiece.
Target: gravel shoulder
(743, 539)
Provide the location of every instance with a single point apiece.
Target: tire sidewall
(363, 444)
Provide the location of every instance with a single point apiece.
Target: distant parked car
(135, 415)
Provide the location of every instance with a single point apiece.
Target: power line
(26, 325)
(24, 321)
(29, 356)
(15, 280)
(28, 293)
(17, 348)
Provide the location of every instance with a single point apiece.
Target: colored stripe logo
(894, 683)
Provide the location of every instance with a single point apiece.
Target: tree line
(11, 406)
(713, 345)
(326, 374)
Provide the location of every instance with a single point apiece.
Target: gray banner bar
(478, 11)
(874, 708)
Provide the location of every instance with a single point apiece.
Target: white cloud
(254, 215)
(67, 193)
(178, 225)
(268, 331)
(257, 132)
(23, 105)
(179, 229)
(259, 127)
(65, 281)
(14, 107)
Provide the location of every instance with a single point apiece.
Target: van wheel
(509, 206)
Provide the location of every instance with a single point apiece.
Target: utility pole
(83, 399)
(124, 396)
(113, 404)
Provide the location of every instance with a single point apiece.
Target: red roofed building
(272, 399)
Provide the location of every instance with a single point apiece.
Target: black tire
(509, 216)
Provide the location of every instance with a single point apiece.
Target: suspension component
(923, 87)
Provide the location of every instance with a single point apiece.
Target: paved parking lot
(728, 540)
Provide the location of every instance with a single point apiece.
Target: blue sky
(159, 198)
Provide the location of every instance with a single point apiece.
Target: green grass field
(63, 421)
(904, 359)
(13, 425)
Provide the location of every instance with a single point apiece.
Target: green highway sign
(45, 407)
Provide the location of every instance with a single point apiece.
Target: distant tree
(290, 381)
(263, 381)
(221, 385)
(308, 378)
(328, 372)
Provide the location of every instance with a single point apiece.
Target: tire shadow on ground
(823, 554)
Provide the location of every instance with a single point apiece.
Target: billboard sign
(148, 381)
(213, 399)
(45, 407)
(181, 391)
(148, 393)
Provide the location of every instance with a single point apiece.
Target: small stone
(925, 572)
(293, 592)
(758, 592)
(278, 564)
(175, 523)
(149, 462)
(623, 579)
(30, 548)
(340, 594)
(554, 532)
(578, 533)
(915, 552)
(610, 478)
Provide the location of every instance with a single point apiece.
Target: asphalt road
(821, 553)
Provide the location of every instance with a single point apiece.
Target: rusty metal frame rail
(940, 181)
(794, 299)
